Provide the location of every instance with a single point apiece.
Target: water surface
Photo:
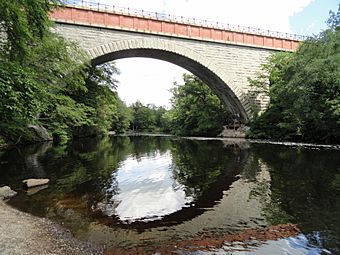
(143, 191)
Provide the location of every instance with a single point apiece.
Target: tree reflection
(200, 164)
(286, 184)
(85, 174)
(304, 185)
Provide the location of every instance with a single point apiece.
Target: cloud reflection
(147, 189)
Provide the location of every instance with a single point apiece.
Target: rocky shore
(24, 234)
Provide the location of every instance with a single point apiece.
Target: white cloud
(147, 80)
(147, 189)
(267, 14)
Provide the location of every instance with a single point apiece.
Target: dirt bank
(24, 234)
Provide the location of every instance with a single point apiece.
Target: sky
(149, 80)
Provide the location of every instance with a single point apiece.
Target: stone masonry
(224, 66)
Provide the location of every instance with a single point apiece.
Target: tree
(121, 122)
(304, 88)
(143, 117)
(148, 118)
(36, 70)
(61, 75)
(25, 23)
(46, 80)
(100, 95)
(196, 109)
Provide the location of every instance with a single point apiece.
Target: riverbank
(24, 234)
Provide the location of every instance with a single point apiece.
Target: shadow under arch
(231, 96)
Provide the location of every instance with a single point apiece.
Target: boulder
(6, 193)
(234, 132)
(36, 189)
(38, 133)
(30, 183)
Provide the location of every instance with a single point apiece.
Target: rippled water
(297, 245)
(146, 191)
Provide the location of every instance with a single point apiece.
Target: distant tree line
(195, 111)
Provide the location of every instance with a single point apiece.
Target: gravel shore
(24, 234)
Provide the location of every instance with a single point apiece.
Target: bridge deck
(163, 25)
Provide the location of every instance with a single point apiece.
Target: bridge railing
(180, 19)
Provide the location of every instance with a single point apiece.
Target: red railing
(180, 19)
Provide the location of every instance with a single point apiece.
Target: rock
(32, 191)
(6, 193)
(29, 183)
(237, 132)
(39, 133)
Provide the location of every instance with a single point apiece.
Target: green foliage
(36, 90)
(58, 64)
(121, 122)
(62, 115)
(166, 121)
(304, 88)
(2, 142)
(196, 109)
(25, 22)
(333, 21)
(45, 80)
(143, 117)
(20, 92)
(147, 117)
(61, 75)
(100, 97)
(36, 75)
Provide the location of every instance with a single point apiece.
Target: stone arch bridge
(223, 56)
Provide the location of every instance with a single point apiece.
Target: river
(129, 192)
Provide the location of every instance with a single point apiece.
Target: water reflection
(297, 245)
(146, 190)
(167, 183)
(130, 191)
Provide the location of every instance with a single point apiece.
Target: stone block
(30, 183)
(6, 193)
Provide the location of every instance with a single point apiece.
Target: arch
(231, 96)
